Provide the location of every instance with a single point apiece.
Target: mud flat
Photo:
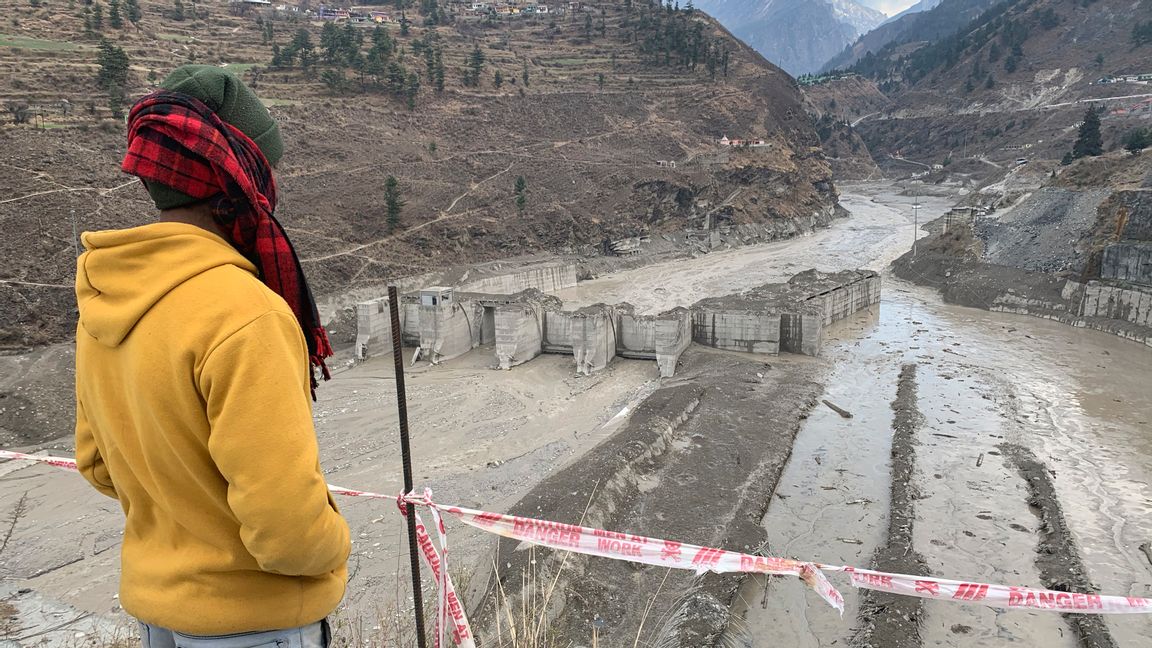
(1061, 567)
(696, 463)
(888, 620)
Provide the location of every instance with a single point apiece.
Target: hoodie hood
(124, 273)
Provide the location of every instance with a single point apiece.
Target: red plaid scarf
(177, 141)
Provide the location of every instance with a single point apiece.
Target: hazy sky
(889, 7)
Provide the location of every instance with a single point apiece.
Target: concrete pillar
(373, 327)
(446, 331)
(672, 336)
(593, 339)
(519, 334)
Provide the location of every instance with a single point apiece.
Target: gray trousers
(316, 635)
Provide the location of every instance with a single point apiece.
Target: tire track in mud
(1057, 557)
(887, 620)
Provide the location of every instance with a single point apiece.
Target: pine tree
(114, 18)
(475, 67)
(600, 81)
(97, 17)
(411, 90)
(1088, 141)
(392, 202)
(438, 77)
(498, 79)
(396, 79)
(524, 74)
(178, 10)
(113, 64)
(112, 77)
(132, 8)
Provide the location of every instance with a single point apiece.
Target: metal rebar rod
(406, 459)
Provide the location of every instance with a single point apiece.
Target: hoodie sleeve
(88, 459)
(257, 390)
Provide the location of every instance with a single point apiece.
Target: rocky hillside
(925, 22)
(798, 35)
(607, 119)
(1014, 83)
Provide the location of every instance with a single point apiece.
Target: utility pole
(915, 221)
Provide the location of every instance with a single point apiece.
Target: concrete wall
(410, 322)
(374, 327)
(593, 339)
(802, 333)
(557, 332)
(548, 278)
(1128, 261)
(448, 330)
(848, 299)
(750, 332)
(519, 334)
(1131, 304)
(636, 336)
(673, 335)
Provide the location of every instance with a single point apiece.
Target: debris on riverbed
(839, 410)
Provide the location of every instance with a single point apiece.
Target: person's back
(193, 402)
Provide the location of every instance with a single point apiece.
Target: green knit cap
(235, 103)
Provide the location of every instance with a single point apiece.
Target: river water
(1080, 400)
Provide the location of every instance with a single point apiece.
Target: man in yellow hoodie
(193, 385)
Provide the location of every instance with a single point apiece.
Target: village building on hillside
(724, 141)
(332, 13)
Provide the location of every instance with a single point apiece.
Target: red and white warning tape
(676, 555)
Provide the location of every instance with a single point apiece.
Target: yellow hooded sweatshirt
(193, 409)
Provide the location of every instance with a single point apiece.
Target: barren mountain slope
(913, 26)
(614, 95)
(1019, 78)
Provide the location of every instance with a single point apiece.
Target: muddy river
(1081, 400)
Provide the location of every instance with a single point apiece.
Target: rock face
(798, 35)
(1013, 82)
(928, 20)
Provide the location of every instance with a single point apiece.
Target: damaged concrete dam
(444, 322)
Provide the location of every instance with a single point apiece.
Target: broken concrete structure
(789, 317)
(374, 325)
(448, 328)
(662, 337)
(772, 318)
(519, 326)
(593, 334)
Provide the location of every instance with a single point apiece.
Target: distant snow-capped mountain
(797, 35)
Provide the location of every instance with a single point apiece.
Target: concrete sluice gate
(788, 317)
